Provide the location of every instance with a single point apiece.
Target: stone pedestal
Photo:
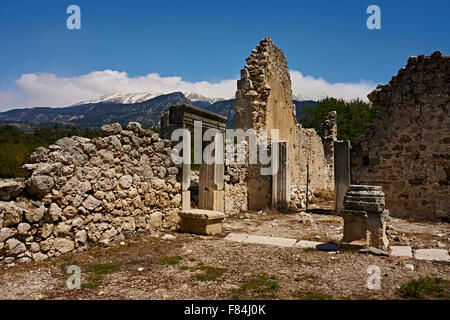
(199, 221)
(365, 217)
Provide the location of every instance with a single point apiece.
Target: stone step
(432, 255)
(401, 251)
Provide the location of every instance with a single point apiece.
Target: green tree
(16, 145)
(352, 117)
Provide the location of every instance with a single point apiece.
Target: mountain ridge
(110, 109)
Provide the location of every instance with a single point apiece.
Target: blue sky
(204, 41)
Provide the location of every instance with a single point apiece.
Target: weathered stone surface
(39, 256)
(156, 220)
(406, 148)
(274, 241)
(236, 237)
(10, 189)
(91, 203)
(401, 251)
(11, 212)
(54, 212)
(432, 254)
(136, 127)
(81, 237)
(35, 214)
(111, 129)
(158, 184)
(23, 228)
(126, 181)
(201, 221)
(69, 212)
(367, 227)
(6, 233)
(63, 245)
(92, 190)
(39, 185)
(14, 247)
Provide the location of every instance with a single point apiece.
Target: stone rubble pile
(88, 190)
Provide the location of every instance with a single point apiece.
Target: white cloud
(47, 89)
(310, 88)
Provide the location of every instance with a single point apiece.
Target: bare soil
(144, 267)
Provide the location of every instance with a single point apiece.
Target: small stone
(141, 269)
(91, 203)
(23, 228)
(409, 267)
(125, 182)
(168, 237)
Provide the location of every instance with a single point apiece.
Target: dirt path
(198, 267)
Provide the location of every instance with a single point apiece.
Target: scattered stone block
(201, 221)
(404, 252)
(432, 254)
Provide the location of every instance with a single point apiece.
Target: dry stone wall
(407, 148)
(84, 190)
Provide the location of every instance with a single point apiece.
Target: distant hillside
(109, 110)
(224, 108)
(94, 115)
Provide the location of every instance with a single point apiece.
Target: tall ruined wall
(264, 95)
(84, 190)
(264, 102)
(407, 149)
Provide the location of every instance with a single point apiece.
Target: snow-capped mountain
(124, 98)
(198, 97)
(137, 97)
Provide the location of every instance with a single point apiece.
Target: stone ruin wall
(407, 148)
(264, 102)
(84, 190)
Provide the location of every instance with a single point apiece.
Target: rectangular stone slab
(236, 237)
(274, 241)
(432, 254)
(401, 251)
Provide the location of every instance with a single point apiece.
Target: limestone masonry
(407, 148)
(264, 102)
(84, 190)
